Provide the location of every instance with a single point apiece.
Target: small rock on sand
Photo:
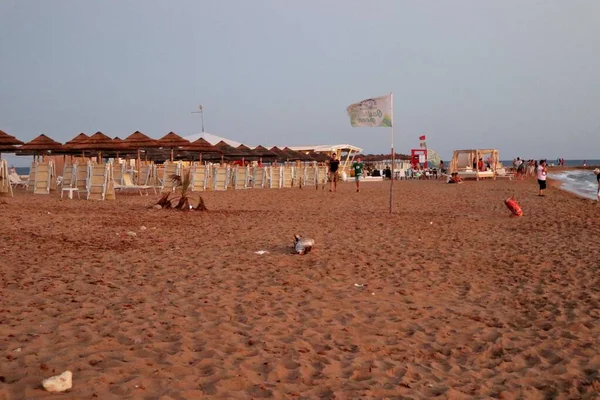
(157, 207)
(142, 228)
(131, 233)
(59, 383)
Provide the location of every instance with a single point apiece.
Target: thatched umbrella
(99, 142)
(8, 142)
(319, 157)
(137, 140)
(281, 155)
(298, 155)
(248, 153)
(77, 139)
(121, 147)
(40, 144)
(228, 151)
(202, 146)
(172, 140)
(265, 153)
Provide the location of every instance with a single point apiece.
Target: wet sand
(449, 296)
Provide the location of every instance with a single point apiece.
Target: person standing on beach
(334, 164)
(541, 177)
(597, 173)
(358, 167)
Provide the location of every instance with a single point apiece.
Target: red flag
(422, 137)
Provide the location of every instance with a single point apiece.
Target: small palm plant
(182, 198)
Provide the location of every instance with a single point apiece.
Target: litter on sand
(261, 252)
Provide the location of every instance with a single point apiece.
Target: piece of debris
(59, 383)
(303, 245)
(261, 252)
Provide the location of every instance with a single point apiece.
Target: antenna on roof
(201, 112)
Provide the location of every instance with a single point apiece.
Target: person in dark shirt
(334, 165)
(597, 173)
(358, 167)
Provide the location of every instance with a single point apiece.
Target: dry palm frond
(183, 199)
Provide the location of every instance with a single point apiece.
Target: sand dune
(448, 297)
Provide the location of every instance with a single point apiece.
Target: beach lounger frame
(31, 177)
(309, 176)
(199, 178)
(98, 181)
(259, 177)
(287, 176)
(275, 177)
(43, 178)
(6, 187)
(241, 177)
(169, 170)
(221, 177)
(129, 185)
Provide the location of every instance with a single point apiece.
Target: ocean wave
(582, 183)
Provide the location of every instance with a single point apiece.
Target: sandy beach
(449, 296)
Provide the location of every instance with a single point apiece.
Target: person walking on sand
(541, 177)
(334, 164)
(597, 173)
(358, 167)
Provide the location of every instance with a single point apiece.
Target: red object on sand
(513, 206)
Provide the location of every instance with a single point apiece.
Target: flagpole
(393, 166)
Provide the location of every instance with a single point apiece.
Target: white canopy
(328, 148)
(212, 139)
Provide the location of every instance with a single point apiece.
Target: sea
(581, 181)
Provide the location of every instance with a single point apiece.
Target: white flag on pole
(375, 112)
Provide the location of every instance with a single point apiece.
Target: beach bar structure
(463, 161)
(344, 152)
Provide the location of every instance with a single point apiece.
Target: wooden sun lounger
(221, 178)
(287, 177)
(5, 183)
(275, 177)
(43, 178)
(241, 177)
(129, 185)
(259, 177)
(199, 178)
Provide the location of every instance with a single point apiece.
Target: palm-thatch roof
(281, 155)
(137, 140)
(172, 140)
(98, 141)
(40, 144)
(228, 151)
(6, 139)
(297, 155)
(264, 152)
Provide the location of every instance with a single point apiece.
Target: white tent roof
(212, 139)
(327, 148)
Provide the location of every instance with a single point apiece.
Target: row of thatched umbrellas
(99, 144)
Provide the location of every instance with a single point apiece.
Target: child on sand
(454, 178)
(358, 166)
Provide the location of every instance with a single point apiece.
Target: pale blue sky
(519, 75)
